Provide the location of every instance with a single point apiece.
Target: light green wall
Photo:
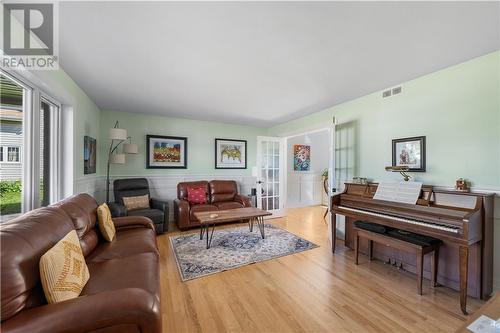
(201, 144)
(457, 109)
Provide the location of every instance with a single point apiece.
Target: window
(29, 132)
(13, 154)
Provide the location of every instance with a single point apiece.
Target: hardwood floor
(312, 291)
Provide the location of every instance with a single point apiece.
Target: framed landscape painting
(301, 158)
(89, 155)
(230, 154)
(409, 152)
(166, 152)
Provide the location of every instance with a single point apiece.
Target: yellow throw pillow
(106, 225)
(63, 270)
(140, 202)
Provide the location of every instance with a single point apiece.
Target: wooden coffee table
(213, 218)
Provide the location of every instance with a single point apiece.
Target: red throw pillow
(197, 195)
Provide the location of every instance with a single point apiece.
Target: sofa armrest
(181, 213)
(163, 206)
(243, 199)
(128, 222)
(117, 210)
(159, 204)
(130, 306)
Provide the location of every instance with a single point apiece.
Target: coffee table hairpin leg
(260, 224)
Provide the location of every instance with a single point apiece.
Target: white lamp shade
(117, 134)
(130, 148)
(117, 159)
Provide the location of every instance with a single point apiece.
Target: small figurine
(461, 185)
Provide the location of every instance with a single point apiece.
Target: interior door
(270, 168)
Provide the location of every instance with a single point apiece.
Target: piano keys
(463, 221)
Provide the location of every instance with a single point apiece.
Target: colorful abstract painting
(166, 152)
(301, 158)
(89, 155)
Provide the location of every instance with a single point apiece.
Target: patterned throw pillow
(63, 270)
(140, 202)
(197, 195)
(106, 225)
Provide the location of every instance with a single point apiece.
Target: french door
(270, 168)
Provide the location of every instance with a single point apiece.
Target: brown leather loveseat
(122, 294)
(221, 194)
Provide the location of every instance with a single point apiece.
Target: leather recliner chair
(221, 195)
(132, 187)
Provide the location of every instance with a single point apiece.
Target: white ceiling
(262, 63)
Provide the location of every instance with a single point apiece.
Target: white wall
(305, 188)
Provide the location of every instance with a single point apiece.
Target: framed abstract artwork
(89, 155)
(166, 152)
(230, 154)
(301, 158)
(409, 152)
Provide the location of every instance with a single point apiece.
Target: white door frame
(282, 194)
(287, 158)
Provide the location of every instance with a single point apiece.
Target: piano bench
(420, 245)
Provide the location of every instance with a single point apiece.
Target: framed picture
(409, 152)
(301, 158)
(230, 154)
(89, 155)
(166, 152)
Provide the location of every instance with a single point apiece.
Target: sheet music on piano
(404, 192)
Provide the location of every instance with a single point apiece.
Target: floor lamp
(117, 137)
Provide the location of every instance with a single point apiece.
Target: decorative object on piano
(402, 170)
(360, 180)
(301, 157)
(461, 185)
(409, 152)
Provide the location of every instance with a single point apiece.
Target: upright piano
(463, 221)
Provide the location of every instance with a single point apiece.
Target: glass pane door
(270, 175)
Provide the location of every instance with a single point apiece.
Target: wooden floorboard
(311, 291)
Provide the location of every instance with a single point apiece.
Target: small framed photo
(230, 154)
(89, 155)
(166, 152)
(409, 152)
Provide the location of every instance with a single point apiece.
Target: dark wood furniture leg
(370, 249)
(334, 231)
(356, 247)
(434, 267)
(420, 266)
(463, 253)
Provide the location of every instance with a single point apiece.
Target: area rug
(232, 248)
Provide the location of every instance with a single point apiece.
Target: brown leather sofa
(122, 294)
(221, 194)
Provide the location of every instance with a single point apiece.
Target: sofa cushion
(128, 242)
(82, 208)
(182, 192)
(137, 271)
(228, 205)
(197, 195)
(106, 225)
(200, 208)
(155, 215)
(137, 202)
(63, 270)
(222, 190)
(23, 241)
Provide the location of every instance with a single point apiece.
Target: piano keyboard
(400, 219)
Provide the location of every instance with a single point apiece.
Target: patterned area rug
(231, 248)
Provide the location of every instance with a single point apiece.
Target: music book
(404, 192)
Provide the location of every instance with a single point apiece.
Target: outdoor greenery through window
(11, 138)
